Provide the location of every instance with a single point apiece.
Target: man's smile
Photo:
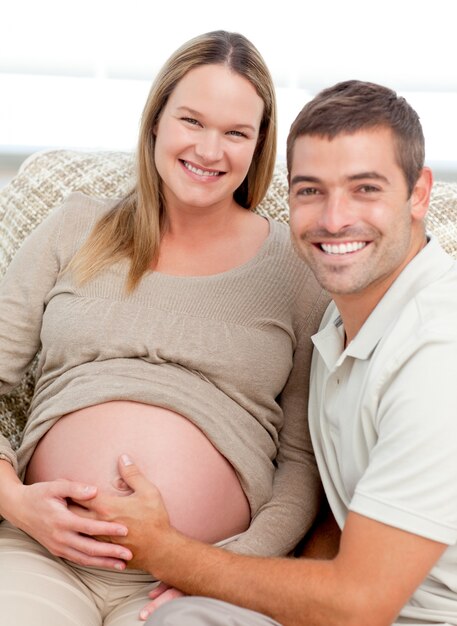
(342, 248)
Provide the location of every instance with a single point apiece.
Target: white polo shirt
(383, 417)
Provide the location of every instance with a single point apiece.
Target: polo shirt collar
(426, 267)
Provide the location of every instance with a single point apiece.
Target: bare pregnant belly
(200, 488)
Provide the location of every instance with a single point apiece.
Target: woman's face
(206, 137)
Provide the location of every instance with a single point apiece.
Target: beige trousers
(38, 589)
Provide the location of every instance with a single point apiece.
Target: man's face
(350, 217)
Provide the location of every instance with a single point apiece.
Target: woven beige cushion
(442, 215)
(43, 182)
(46, 178)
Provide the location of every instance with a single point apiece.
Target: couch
(46, 178)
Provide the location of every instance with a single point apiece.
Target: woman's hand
(159, 595)
(42, 511)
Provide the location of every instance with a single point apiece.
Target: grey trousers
(197, 611)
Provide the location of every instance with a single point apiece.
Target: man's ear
(420, 197)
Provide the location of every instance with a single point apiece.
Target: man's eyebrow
(300, 178)
(368, 175)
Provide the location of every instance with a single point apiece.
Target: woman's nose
(209, 147)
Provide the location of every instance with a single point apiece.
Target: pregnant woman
(173, 324)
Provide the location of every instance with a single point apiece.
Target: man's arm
(376, 570)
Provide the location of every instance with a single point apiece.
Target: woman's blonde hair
(132, 229)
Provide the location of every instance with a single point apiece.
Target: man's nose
(337, 213)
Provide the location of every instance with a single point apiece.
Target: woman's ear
(420, 197)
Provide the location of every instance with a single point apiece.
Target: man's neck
(354, 312)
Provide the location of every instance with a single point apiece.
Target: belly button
(120, 484)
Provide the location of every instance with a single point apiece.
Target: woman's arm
(41, 509)
(281, 523)
(23, 291)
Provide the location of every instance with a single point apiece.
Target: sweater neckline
(260, 254)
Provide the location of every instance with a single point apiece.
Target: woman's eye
(236, 133)
(190, 120)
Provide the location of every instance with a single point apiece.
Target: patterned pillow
(442, 215)
(45, 179)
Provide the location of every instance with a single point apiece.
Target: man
(383, 394)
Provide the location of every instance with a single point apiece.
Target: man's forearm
(291, 591)
(377, 567)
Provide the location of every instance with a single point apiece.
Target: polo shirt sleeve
(411, 478)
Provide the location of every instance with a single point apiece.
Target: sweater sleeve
(23, 291)
(281, 523)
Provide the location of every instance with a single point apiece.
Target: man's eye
(368, 189)
(308, 191)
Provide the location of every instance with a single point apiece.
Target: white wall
(76, 73)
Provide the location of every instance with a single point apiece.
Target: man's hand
(142, 512)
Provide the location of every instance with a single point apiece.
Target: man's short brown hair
(353, 105)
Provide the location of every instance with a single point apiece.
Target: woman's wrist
(10, 487)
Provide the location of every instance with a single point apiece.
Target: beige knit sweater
(229, 351)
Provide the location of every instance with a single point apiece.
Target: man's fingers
(132, 475)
